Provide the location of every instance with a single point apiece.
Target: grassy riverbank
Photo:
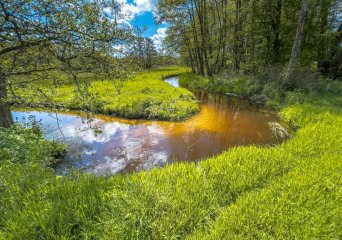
(292, 190)
(143, 96)
(268, 89)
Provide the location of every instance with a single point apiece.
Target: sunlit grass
(143, 96)
(289, 191)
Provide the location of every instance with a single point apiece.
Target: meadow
(103, 57)
(144, 95)
(288, 191)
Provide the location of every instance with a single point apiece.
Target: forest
(170, 119)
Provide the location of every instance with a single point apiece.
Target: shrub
(295, 97)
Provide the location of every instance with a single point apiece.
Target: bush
(25, 145)
(267, 88)
(334, 87)
(295, 97)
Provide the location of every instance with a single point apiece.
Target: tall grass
(143, 96)
(289, 191)
(268, 89)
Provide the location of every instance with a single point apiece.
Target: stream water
(109, 145)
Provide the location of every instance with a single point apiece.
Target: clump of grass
(279, 130)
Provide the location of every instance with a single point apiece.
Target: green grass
(289, 191)
(143, 96)
(267, 90)
(240, 85)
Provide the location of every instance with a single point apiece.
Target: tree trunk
(276, 29)
(297, 44)
(324, 45)
(205, 38)
(223, 61)
(6, 119)
(237, 36)
(198, 52)
(188, 45)
(199, 9)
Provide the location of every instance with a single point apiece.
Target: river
(110, 145)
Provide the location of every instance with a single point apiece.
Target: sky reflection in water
(120, 145)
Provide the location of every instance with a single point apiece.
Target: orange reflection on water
(223, 122)
(124, 145)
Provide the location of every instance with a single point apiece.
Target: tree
(297, 43)
(143, 51)
(329, 59)
(250, 36)
(190, 21)
(6, 118)
(41, 36)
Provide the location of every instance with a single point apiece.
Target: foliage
(264, 89)
(247, 37)
(143, 96)
(24, 145)
(240, 85)
(143, 52)
(69, 36)
(291, 190)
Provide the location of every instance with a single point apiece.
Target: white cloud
(138, 7)
(159, 37)
(124, 22)
(131, 10)
(107, 10)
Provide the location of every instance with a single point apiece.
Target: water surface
(109, 145)
(173, 81)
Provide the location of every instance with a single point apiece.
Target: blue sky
(140, 13)
(147, 19)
